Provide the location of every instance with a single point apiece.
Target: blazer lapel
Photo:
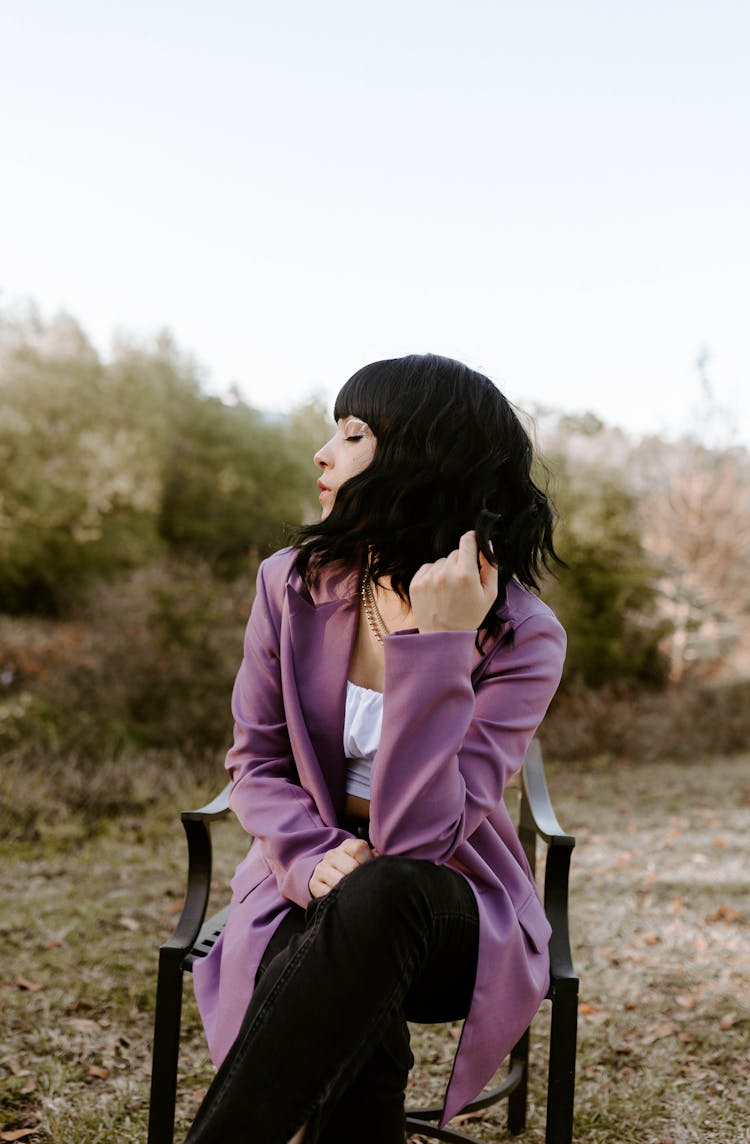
(321, 638)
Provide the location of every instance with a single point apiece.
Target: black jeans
(324, 1039)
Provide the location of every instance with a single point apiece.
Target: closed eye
(353, 428)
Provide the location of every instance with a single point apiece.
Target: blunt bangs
(374, 393)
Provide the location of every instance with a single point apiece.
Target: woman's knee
(391, 876)
(396, 885)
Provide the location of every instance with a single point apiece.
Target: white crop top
(362, 723)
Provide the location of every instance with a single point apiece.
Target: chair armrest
(212, 811)
(538, 802)
(197, 827)
(556, 875)
(538, 817)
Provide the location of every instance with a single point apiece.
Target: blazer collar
(335, 584)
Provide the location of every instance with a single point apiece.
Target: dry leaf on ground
(30, 986)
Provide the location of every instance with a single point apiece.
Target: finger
(319, 886)
(427, 573)
(357, 848)
(421, 572)
(342, 863)
(467, 548)
(324, 881)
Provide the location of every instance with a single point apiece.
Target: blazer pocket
(251, 871)
(533, 922)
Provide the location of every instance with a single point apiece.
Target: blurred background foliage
(135, 507)
(106, 466)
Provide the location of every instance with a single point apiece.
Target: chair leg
(166, 1049)
(562, 1062)
(517, 1099)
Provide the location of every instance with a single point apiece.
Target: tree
(695, 513)
(233, 479)
(105, 463)
(79, 458)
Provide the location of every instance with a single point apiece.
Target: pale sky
(556, 193)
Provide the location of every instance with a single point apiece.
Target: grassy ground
(660, 922)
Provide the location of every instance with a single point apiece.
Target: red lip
(323, 488)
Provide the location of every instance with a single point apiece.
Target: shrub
(606, 598)
(154, 668)
(686, 722)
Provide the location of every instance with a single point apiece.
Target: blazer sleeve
(446, 752)
(266, 794)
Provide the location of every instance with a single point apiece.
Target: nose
(322, 457)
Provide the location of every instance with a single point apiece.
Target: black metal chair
(192, 940)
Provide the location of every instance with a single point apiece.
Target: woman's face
(348, 452)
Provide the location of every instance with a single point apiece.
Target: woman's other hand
(456, 592)
(335, 864)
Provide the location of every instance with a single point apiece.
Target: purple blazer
(456, 726)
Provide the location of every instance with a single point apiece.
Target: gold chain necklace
(372, 612)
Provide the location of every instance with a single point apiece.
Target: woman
(395, 671)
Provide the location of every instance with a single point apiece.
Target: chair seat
(210, 933)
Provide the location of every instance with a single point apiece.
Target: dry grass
(660, 918)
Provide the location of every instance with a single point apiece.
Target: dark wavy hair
(451, 455)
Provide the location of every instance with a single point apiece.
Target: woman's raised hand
(456, 592)
(336, 863)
